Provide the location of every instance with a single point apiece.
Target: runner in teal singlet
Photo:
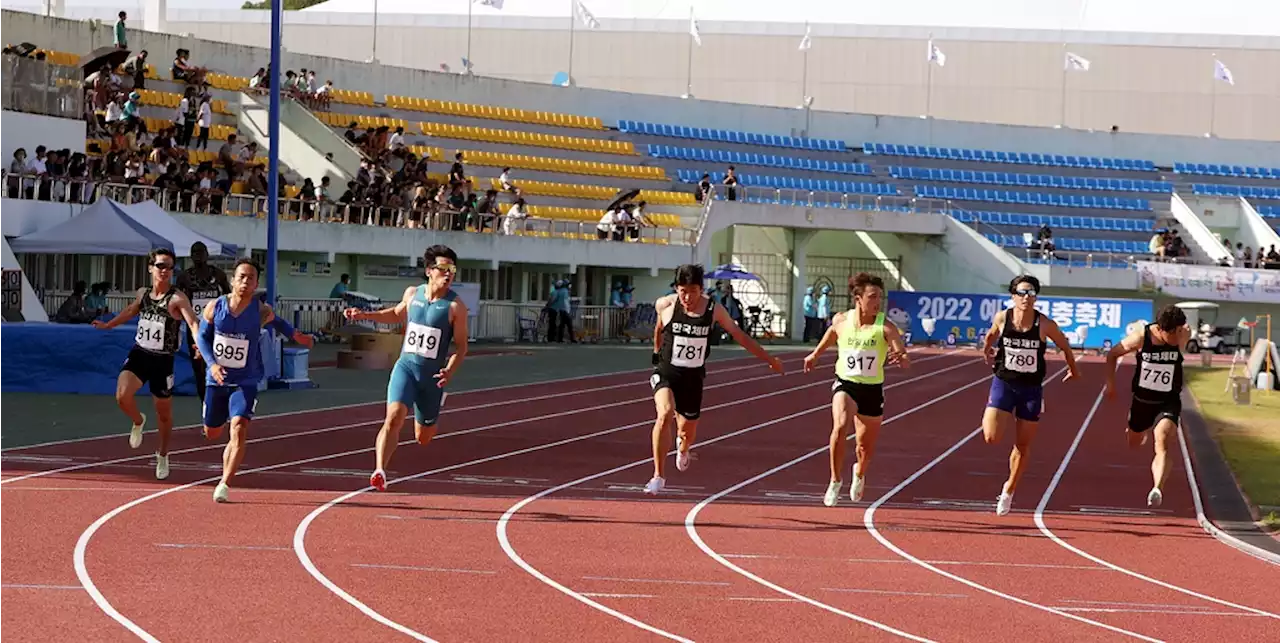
(433, 317)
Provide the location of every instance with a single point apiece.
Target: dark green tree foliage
(289, 5)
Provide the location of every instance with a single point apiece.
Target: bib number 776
(1156, 377)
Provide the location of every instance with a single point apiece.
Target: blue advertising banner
(1086, 321)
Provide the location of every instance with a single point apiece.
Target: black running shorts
(868, 398)
(1145, 415)
(686, 388)
(153, 369)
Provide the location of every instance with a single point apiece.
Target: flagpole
(804, 74)
(688, 87)
(572, 19)
(1063, 120)
(374, 58)
(1213, 96)
(467, 66)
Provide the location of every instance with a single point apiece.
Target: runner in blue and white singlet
(434, 318)
(230, 336)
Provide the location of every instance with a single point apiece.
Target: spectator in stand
(456, 173)
(184, 71)
(1156, 246)
(515, 218)
(118, 36)
(185, 117)
(731, 184)
(505, 181)
(1273, 258)
(17, 168)
(258, 81)
(1246, 257)
(606, 225)
(96, 302)
(324, 94)
(704, 188)
(136, 66)
(205, 121)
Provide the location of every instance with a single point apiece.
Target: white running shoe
(220, 492)
(1004, 503)
(833, 493)
(162, 466)
(655, 485)
(135, 433)
(1155, 498)
(683, 458)
(855, 490)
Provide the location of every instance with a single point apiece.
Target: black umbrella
(622, 197)
(112, 57)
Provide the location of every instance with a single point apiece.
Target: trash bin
(1240, 390)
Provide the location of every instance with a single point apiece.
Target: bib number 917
(860, 364)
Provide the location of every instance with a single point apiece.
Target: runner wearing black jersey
(1157, 387)
(201, 283)
(1017, 391)
(160, 309)
(680, 353)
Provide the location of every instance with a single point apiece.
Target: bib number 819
(421, 341)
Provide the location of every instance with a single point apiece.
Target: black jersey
(202, 289)
(158, 330)
(1020, 356)
(684, 338)
(1158, 377)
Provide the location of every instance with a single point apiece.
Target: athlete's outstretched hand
(900, 359)
(352, 314)
(98, 323)
(989, 355)
(1110, 390)
(1071, 375)
(809, 361)
(303, 338)
(775, 365)
(442, 377)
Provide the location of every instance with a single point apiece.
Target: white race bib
(860, 363)
(1021, 360)
(423, 341)
(1156, 377)
(150, 335)
(199, 304)
(230, 352)
(688, 352)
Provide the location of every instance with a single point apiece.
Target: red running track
(435, 559)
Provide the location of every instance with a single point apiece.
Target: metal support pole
(374, 58)
(572, 19)
(467, 67)
(273, 154)
(688, 86)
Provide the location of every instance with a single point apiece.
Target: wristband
(655, 359)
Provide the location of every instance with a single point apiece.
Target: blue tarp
(111, 228)
(81, 359)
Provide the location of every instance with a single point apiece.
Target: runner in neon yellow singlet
(866, 344)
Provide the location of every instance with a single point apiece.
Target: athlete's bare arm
(726, 322)
(390, 315)
(989, 340)
(125, 315)
(897, 350)
(660, 307)
(458, 319)
(829, 338)
(180, 308)
(1127, 345)
(1049, 330)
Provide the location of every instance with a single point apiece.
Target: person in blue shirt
(340, 289)
(824, 309)
(561, 314)
(433, 317)
(230, 339)
(811, 324)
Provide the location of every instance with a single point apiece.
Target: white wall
(30, 130)
(868, 67)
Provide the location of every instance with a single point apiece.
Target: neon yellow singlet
(862, 350)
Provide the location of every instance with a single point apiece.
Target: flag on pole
(1076, 62)
(936, 55)
(806, 43)
(496, 4)
(588, 20)
(693, 29)
(1220, 72)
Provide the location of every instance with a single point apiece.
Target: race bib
(1021, 360)
(688, 352)
(1156, 377)
(862, 363)
(230, 352)
(423, 341)
(150, 335)
(199, 304)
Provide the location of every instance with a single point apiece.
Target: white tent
(111, 228)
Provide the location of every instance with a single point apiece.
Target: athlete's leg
(127, 385)
(1135, 439)
(242, 401)
(164, 420)
(1160, 462)
(866, 432)
(999, 412)
(389, 434)
(426, 412)
(665, 404)
(1020, 454)
(402, 392)
(843, 409)
(686, 433)
(233, 454)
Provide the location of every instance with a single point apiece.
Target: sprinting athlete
(434, 317)
(680, 352)
(1157, 387)
(230, 336)
(201, 283)
(864, 339)
(1017, 391)
(160, 309)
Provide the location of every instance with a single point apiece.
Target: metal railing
(40, 87)
(817, 198)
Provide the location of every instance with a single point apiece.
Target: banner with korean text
(964, 318)
(1210, 283)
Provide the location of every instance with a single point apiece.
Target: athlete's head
(689, 284)
(1024, 289)
(199, 253)
(1171, 320)
(160, 262)
(867, 291)
(441, 265)
(244, 277)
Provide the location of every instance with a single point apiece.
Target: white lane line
(414, 568)
(36, 586)
(869, 522)
(212, 546)
(891, 592)
(1044, 529)
(79, 554)
(285, 436)
(1118, 610)
(690, 523)
(655, 580)
(606, 595)
(504, 540)
(380, 403)
(899, 561)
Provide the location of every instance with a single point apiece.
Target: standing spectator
(1246, 257)
(704, 188)
(118, 35)
(824, 309)
(560, 321)
(515, 218)
(731, 184)
(205, 121)
(136, 66)
(811, 320)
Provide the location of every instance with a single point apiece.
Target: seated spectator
(1156, 246)
(606, 225)
(184, 71)
(74, 310)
